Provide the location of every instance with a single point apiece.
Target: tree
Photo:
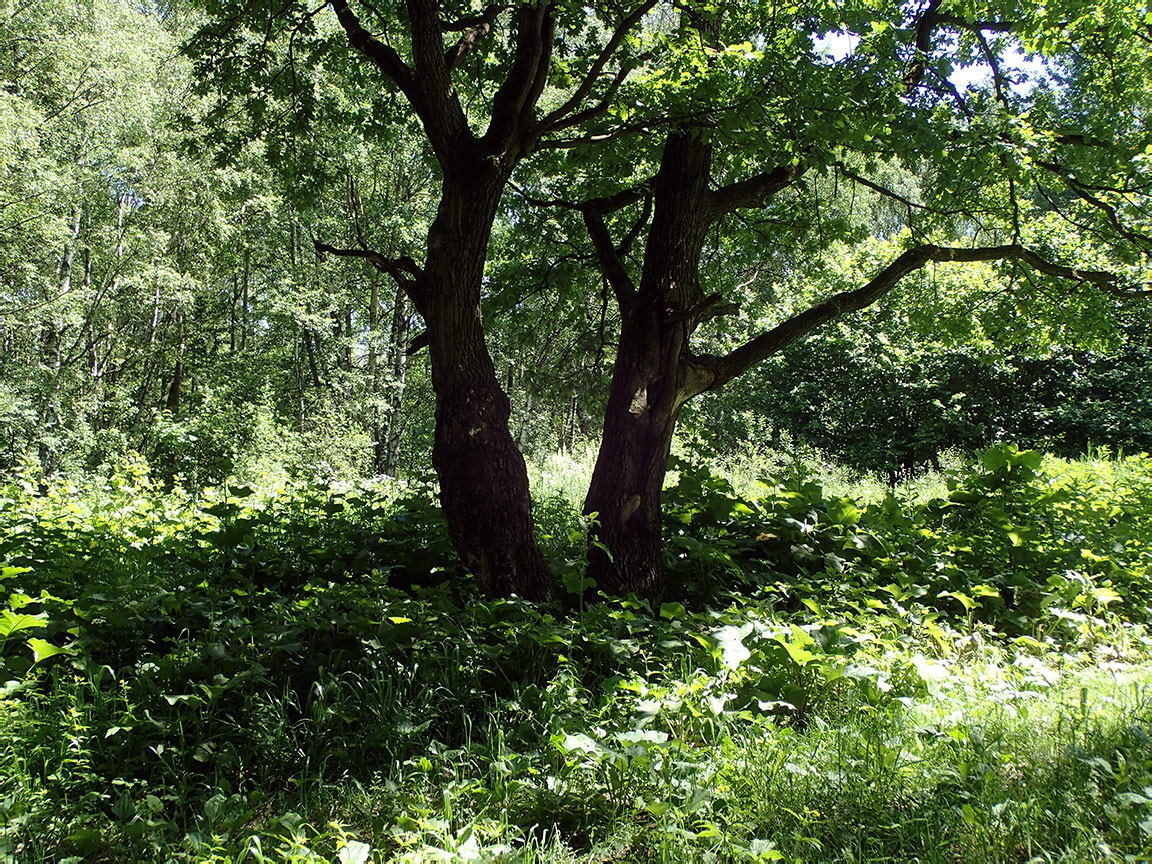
(709, 113)
(483, 480)
(1002, 177)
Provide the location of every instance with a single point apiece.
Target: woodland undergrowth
(301, 673)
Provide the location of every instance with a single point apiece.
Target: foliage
(269, 673)
(880, 396)
(1027, 544)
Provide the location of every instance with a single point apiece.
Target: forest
(617, 431)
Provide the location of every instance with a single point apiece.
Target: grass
(261, 674)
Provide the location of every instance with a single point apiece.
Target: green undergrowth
(302, 674)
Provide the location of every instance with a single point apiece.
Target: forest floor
(300, 674)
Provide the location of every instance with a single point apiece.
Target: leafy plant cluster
(881, 400)
(1027, 544)
(301, 674)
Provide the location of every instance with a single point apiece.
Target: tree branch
(475, 28)
(403, 269)
(592, 111)
(534, 30)
(438, 106)
(610, 264)
(755, 190)
(585, 88)
(384, 57)
(607, 254)
(1085, 193)
(711, 372)
(926, 24)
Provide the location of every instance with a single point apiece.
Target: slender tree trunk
(375, 419)
(52, 331)
(313, 367)
(401, 324)
(174, 391)
(244, 300)
(232, 314)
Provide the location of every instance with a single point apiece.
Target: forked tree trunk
(650, 379)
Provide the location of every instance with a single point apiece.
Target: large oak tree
(658, 123)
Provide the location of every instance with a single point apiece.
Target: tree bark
(650, 378)
(175, 390)
(483, 479)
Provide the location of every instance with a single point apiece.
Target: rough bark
(656, 373)
(483, 478)
(650, 378)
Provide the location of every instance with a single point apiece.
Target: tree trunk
(650, 379)
(174, 392)
(483, 478)
(389, 459)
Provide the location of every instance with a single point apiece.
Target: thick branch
(438, 106)
(755, 190)
(383, 56)
(535, 28)
(585, 88)
(419, 342)
(475, 28)
(707, 309)
(610, 264)
(712, 372)
(607, 254)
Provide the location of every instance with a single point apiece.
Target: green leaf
(355, 852)
(730, 641)
(10, 623)
(42, 650)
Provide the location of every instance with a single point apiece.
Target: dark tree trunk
(650, 379)
(483, 478)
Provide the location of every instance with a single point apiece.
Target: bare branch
(596, 110)
(403, 270)
(1085, 193)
